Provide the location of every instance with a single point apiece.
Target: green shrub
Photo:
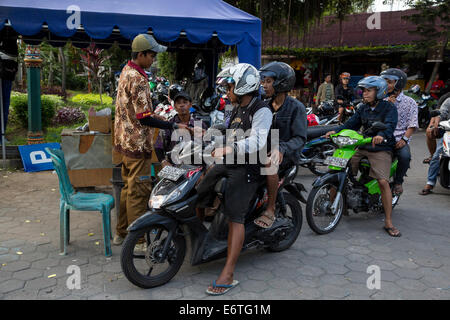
(19, 108)
(91, 99)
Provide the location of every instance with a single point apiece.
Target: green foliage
(19, 108)
(314, 53)
(167, 62)
(432, 22)
(91, 99)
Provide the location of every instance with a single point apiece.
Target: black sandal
(393, 229)
(427, 160)
(426, 191)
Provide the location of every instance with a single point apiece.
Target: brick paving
(334, 266)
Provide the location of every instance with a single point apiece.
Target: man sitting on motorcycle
(433, 170)
(375, 109)
(182, 104)
(407, 122)
(289, 118)
(250, 114)
(344, 94)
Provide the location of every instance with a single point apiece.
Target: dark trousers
(239, 191)
(404, 158)
(6, 94)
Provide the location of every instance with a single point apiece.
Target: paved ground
(415, 266)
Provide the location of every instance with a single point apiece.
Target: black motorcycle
(317, 149)
(171, 221)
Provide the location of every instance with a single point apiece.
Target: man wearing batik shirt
(132, 139)
(406, 125)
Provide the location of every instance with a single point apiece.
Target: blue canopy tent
(106, 21)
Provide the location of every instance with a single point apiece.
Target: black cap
(182, 94)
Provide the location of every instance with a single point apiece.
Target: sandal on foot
(391, 232)
(398, 189)
(227, 288)
(426, 191)
(259, 220)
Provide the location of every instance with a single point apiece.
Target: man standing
(132, 139)
(406, 125)
(344, 94)
(326, 90)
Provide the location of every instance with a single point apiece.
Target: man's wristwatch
(405, 138)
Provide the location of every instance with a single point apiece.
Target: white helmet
(245, 76)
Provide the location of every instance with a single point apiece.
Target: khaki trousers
(136, 175)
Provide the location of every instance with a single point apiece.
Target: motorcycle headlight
(344, 141)
(157, 201)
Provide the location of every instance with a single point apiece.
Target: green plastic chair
(71, 200)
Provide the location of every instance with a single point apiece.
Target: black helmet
(209, 100)
(282, 73)
(174, 89)
(395, 74)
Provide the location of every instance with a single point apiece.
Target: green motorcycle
(339, 190)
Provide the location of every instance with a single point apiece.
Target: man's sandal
(227, 288)
(391, 232)
(427, 160)
(260, 220)
(426, 191)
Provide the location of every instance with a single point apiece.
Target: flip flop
(425, 192)
(271, 218)
(427, 160)
(393, 230)
(227, 287)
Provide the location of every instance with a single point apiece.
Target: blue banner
(35, 158)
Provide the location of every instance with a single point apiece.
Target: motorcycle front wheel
(146, 268)
(319, 216)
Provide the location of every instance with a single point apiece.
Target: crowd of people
(383, 101)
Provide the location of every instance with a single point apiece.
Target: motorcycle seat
(318, 131)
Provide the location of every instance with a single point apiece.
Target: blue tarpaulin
(199, 19)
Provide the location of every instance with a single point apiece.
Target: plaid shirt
(407, 115)
(133, 97)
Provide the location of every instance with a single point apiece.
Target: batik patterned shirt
(407, 115)
(133, 97)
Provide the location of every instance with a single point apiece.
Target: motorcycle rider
(250, 114)
(433, 170)
(289, 117)
(344, 94)
(407, 122)
(379, 154)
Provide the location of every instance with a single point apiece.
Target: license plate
(336, 162)
(171, 173)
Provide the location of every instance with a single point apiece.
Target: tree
(93, 64)
(432, 22)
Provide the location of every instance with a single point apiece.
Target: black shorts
(238, 191)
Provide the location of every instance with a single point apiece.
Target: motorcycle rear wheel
(296, 217)
(326, 149)
(174, 259)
